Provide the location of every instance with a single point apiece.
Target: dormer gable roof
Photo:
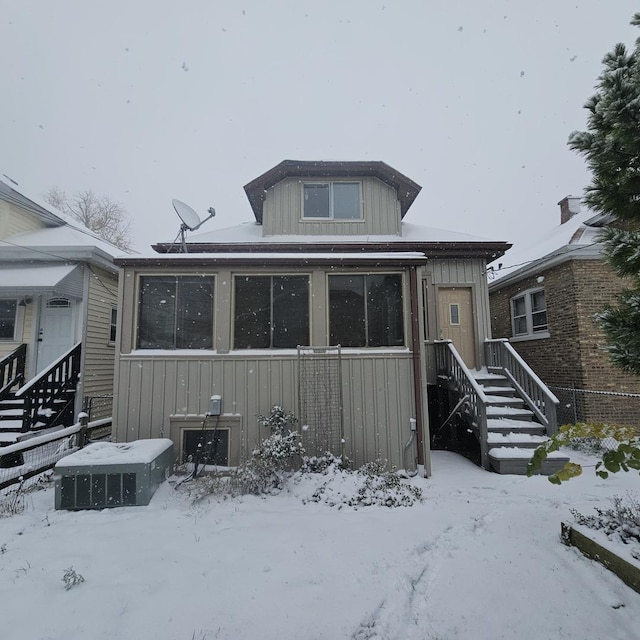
(406, 188)
(9, 194)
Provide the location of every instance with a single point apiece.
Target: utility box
(110, 474)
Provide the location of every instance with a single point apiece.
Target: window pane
(520, 326)
(157, 313)
(290, 311)
(454, 314)
(7, 319)
(113, 324)
(537, 301)
(384, 311)
(539, 321)
(252, 318)
(316, 200)
(346, 200)
(346, 311)
(518, 307)
(194, 314)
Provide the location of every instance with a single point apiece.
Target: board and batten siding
(282, 211)
(377, 397)
(449, 273)
(99, 352)
(155, 389)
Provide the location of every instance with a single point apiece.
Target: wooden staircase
(506, 407)
(47, 401)
(513, 431)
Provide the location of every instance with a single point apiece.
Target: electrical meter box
(110, 474)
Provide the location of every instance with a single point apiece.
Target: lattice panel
(320, 399)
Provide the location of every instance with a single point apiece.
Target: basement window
(529, 315)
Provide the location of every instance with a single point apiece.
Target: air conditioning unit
(110, 474)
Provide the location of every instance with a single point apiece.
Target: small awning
(33, 280)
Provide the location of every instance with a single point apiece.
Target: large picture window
(176, 312)
(271, 312)
(8, 311)
(338, 200)
(366, 310)
(529, 314)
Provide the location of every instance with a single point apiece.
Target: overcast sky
(150, 100)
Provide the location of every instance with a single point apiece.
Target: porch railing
(49, 397)
(450, 365)
(12, 368)
(501, 356)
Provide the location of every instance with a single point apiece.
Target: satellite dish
(190, 219)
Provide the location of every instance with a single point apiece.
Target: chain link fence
(598, 407)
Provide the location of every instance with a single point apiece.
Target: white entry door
(57, 330)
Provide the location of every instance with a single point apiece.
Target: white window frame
(113, 324)
(330, 184)
(531, 333)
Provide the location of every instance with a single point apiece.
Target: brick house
(546, 305)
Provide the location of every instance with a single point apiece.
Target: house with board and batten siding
(58, 306)
(330, 304)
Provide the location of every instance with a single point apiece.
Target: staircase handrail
(49, 385)
(499, 353)
(12, 368)
(450, 363)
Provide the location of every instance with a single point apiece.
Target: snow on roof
(575, 235)
(248, 232)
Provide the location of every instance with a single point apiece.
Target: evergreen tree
(611, 146)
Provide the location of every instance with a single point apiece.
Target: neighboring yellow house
(58, 292)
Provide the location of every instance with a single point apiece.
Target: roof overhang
(47, 279)
(535, 267)
(488, 251)
(333, 259)
(256, 189)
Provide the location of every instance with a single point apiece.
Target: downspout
(417, 369)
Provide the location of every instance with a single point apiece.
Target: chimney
(569, 206)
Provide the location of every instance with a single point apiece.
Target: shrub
(621, 521)
(71, 578)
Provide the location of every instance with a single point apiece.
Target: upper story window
(366, 310)
(333, 200)
(271, 312)
(8, 323)
(529, 314)
(175, 312)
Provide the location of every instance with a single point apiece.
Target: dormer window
(332, 200)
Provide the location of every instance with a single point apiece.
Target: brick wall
(573, 355)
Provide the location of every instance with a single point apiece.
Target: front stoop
(514, 460)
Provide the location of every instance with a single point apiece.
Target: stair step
(498, 391)
(504, 425)
(505, 401)
(513, 413)
(9, 413)
(10, 425)
(511, 439)
(514, 460)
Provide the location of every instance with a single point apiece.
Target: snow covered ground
(479, 558)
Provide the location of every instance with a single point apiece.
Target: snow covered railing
(449, 364)
(30, 457)
(500, 355)
(12, 370)
(49, 397)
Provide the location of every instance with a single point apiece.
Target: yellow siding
(99, 353)
(14, 219)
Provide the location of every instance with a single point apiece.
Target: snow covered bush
(278, 419)
(371, 484)
(621, 521)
